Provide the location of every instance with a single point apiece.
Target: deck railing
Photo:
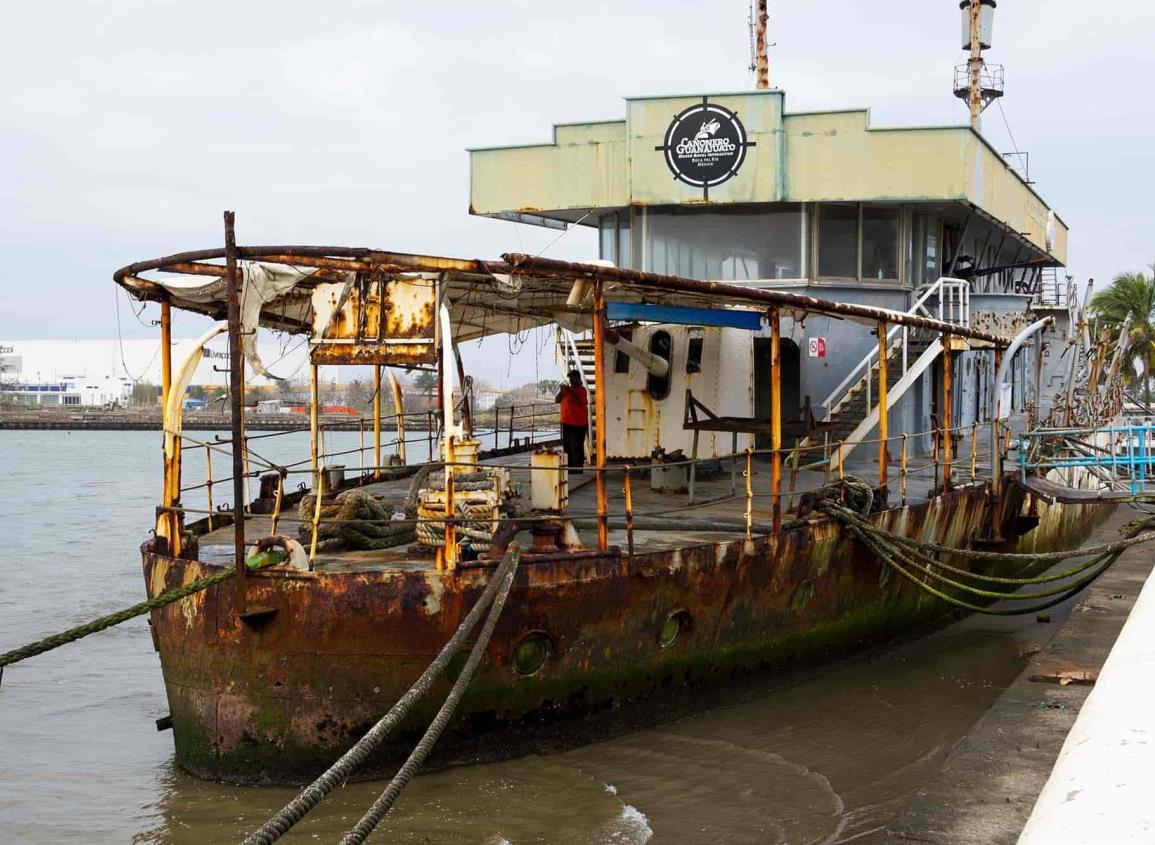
(757, 498)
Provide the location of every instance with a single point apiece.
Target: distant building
(103, 372)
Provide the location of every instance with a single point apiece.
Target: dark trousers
(573, 440)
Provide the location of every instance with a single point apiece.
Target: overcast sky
(126, 127)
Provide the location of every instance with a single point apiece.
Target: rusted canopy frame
(726, 292)
(360, 259)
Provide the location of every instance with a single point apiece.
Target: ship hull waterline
(277, 702)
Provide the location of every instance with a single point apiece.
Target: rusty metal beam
(725, 292)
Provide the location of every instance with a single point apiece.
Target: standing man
(575, 420)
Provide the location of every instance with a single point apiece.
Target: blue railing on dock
(1121, 456)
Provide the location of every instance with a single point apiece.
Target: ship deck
(719, 497)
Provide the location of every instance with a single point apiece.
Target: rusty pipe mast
(761, 61)
(976, 82)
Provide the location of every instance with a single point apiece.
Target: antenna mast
(976, 82)
(761, 62)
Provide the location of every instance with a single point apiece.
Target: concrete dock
(994, 778)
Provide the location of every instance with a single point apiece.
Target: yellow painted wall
(828, 156)
(836, 157)
(585, 167)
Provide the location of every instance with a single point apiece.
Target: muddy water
(828, 759)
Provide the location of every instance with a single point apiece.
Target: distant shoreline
(79, 419)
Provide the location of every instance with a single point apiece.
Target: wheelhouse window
(858, 241)
(725, 245)
(838, 241)
(926, 246)
(879, 242)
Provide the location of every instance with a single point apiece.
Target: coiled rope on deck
(907, 556)
(257, 561)
(495, 594)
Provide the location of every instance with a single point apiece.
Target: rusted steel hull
(276, 702)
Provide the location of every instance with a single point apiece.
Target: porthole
(457, 663)
(673, 627)
(803, 593)
(531, 652)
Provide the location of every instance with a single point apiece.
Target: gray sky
(126, 127)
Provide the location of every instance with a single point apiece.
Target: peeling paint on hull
(279, 702)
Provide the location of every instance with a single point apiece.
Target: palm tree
(1131, 294)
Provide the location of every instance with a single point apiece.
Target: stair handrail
(955, 293)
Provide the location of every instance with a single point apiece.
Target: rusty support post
(600, 414)
(399, 416)
(512, 413)
(209, 481)
(314, 423)
(429, 423)
(361, 447)
(775, 420)
(883, 411)
(278, 501)
(947, 417)
(236, 395)
(975, 64)
(626, 490)
(319, 493)
(377, 422)
(974, 451)
(749, 473)
(902, 467)
(448, 557)
(169, 524)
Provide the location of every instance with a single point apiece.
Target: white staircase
(850, 411)
(577, 353)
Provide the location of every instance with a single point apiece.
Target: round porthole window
(531, 652)
(675, 625)
(456, 664)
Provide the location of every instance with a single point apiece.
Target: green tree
(1131, 294)
(145, 393)
(426, 382)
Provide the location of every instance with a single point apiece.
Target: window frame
(903, 235)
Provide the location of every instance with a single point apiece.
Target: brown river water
(829, 758)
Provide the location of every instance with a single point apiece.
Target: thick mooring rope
(280, 823)
(388, 798)
(257, 561)
(900, 553)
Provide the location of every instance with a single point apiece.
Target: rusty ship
(782, 304)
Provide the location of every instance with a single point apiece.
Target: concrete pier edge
(992, 778)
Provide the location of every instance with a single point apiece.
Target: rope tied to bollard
(494, 597)
(260, 560)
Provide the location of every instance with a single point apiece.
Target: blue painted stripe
(749, 320)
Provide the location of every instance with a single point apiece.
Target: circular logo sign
(705, 145)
